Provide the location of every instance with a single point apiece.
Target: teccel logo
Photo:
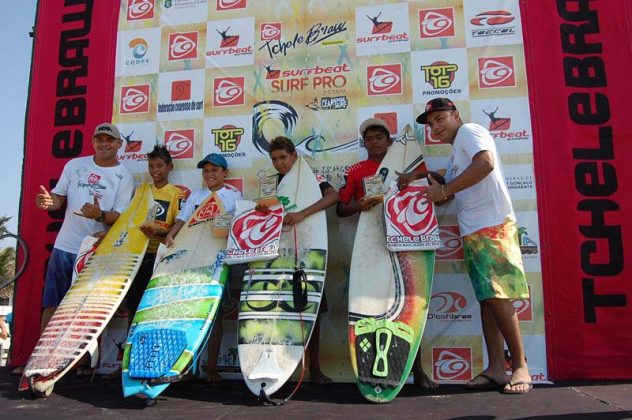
(140, 9)
(452, 363)
(435, 23)
(384, 79)
(134, 99)
(492, 18)
(228, 91)
(270, 31)
(496, 72)
(183, 45)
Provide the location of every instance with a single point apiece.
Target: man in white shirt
(490, 242)
(96, 189)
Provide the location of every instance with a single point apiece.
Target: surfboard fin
(93, 351)
(266, 367)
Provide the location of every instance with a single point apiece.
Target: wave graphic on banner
(270, 111)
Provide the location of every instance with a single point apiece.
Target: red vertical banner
(72, 75)
(578, 55)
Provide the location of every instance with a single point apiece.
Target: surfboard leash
(298, 278)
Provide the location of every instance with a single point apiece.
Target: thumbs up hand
(44, 200)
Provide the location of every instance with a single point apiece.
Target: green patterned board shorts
(494, 262)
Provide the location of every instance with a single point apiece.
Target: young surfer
(377, 139)
(283, 155)
(214, 172)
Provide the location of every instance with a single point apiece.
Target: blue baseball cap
(215, 159)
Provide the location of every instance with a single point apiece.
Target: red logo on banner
(255, 229)
(380, 27)
(231, 4)
(435, 23)
(449, 302)
(183, 45)
(497, 123)
(132, 146)
(134, 99)
(429, 140)
(523, 308)
(180, 90)
(385, 79)
(452, 248)
(496, 72)
(452, 363)
(180, 143)
(390, 118)
(235, 183)
(270, 31)
(271, 73)
(140, 9)
(492, 17)
(410, 212)
(228, 41)
(228, 91)
(205, 212)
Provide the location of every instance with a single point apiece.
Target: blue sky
(15, 54)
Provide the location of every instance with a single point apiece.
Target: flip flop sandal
(490, 383)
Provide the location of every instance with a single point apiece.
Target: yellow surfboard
(92, 300)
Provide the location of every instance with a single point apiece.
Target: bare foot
(213, 377)
(422, 380)
(319, 377)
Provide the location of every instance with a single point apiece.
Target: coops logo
(384, 79)
(496, 72)
(140, 9)
(228, 91)
(435, 23)
(134, 99)
(270, 31)
(183, 45)
(452, 363)
(256, 229)
(139, 48)
(180, 143)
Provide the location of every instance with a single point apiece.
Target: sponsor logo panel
(384, 79)
(140, 9)
(452, 363)
(231, 136)
(135, 99)
(180, 95)
(439, 73)
(382, 29)
(435, 23)
(230, 42)
(492, 23)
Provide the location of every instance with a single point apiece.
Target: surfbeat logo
(270, 31)
(385, 79)
(205, 212)
(140, 9)
(230, 4)
(447, 306)
(452, 363)
(496, 72)
(183, 45)
(452, 243)
(317, 77)
(134, 99)
(255, 230)
(435, 23)
(228, 91)
(413, 213)
(180, 143)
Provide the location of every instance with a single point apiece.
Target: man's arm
(481, 166)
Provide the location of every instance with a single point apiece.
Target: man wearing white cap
(95, 189)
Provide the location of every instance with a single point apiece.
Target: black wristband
(101, 217)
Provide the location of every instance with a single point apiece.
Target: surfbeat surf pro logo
(205, 212)
(411, 222)
(254, 234)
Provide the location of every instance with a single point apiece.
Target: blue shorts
(58, 277)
